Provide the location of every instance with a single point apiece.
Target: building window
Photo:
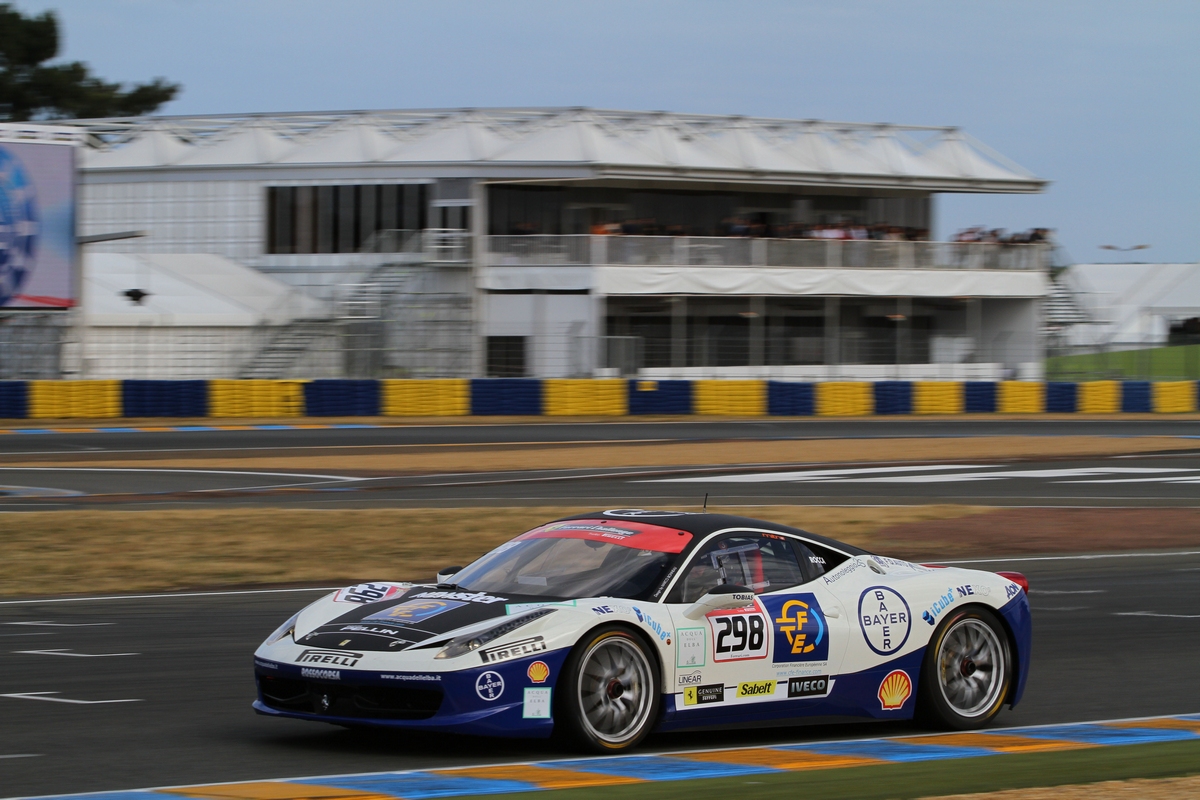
(341, 219)
(506, 356)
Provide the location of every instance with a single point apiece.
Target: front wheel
(967, 671)
(608, 691)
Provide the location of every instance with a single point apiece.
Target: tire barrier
(608, 397)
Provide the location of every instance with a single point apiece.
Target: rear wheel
(967, 670)
(608, 692)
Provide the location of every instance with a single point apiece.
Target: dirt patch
(481, 458)
(1161, 789)
(84, 552)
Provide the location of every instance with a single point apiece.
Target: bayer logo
(489, 686)
(18, 226)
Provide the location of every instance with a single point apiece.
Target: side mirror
(720, 598)
(446, 573)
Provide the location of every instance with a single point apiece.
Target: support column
(975, 328)
(833, 330)
(758, 307)
(679, 311)
(904, 330)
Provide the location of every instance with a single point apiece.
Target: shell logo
(894, 690)
(538, 672)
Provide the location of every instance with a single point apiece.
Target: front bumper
(490, 700)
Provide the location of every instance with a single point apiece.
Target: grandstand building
(558, 243)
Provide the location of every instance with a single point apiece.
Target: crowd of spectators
(979, 233)
(741, 227)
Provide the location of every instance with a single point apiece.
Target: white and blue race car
(612, 624)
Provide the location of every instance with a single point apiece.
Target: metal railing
(722, 251)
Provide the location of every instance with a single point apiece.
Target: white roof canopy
(566, 143)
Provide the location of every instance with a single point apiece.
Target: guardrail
(113, 399)
(719, 251)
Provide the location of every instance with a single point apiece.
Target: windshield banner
(634, 535)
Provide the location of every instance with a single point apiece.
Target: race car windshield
(566, 568)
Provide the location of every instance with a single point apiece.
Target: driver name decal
(885, 619)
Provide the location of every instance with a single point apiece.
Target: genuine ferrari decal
(894, 690)
(703, 695)
(885, 619)
(521, 647)
(411, 611)
(337, 658)
(365, 593)
(800, 630)
(738, 635)
(489, 686)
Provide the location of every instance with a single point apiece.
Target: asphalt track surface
(163, 685)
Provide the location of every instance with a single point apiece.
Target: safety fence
(111, 399)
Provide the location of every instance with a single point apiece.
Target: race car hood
(405, 619)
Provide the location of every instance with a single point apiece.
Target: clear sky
(1100, 97)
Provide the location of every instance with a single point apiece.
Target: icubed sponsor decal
(644, 617)
(816, 686)
(468, 597)
(756, 689)
(738, 635)
(894, 690)
(321, 674)
(489, 686)
(800, 630)
(521, 647)
(413, 611)
(538, 672)
(703, 695)
(337, 658)
(941, 604)
(885, 619)
(364, 593)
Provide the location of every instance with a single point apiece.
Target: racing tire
(967, 672)
(608, 695)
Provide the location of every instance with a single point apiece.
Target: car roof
(702, 524)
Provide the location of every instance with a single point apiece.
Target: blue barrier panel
(893, 397)
(1135, 396)
(790, 399)
(660, 397)
(492, 397)
(342, 398)
(1062, 397)
(164, 398)
(979, 397)
(14, 399)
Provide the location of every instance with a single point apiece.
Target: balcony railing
(716, 251)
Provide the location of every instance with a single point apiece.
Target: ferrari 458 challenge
(611, 624)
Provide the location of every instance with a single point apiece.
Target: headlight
(286, 629)
(473, 641)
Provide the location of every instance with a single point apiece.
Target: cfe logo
(894, 689)
(538, 672)
(800, 629)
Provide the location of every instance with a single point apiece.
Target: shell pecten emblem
(894, 690)
(538, 672)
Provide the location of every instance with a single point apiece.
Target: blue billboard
(37, 225)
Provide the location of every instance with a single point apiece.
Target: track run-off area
(145, 690)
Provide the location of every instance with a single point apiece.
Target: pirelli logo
(517, 649)
(333, 658)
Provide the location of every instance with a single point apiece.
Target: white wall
(560, 330)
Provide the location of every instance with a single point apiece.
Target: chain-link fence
(1178, 360)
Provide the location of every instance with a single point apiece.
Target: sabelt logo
(321, 674)
(894, 690)
(336, 658)
(756, 689)
(522, 647)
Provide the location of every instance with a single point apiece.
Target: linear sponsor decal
(411, 611)
(489, 686)
(756, 689)
(894, 690)
(693, 678)
(321, 674)
(801, 633)
(703, 695)
(364, 593)
(885, 619)
(337, 658)
(814, 686)
(521, 647)
(738, 635)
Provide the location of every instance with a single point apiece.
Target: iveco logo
(335, 658)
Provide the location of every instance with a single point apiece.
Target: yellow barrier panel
(570, 397)
(255, 398)
(937, 397)
(75, 399)
(437, 397)
(1021, 397)
(1173, 397)
(845, 399)
(743, 398)
(1099, 397)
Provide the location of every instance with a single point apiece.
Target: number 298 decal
(738, 635)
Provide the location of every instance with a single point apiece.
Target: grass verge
(925, 779)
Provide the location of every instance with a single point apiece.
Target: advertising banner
(37, 225)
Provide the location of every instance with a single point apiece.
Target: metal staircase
(284, 347)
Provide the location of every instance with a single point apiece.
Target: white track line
(157, 596)
(1069, 558)
(42, 696)
(1153, 614)
(66, 651)
(182, 471)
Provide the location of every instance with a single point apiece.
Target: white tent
(1133, 303)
